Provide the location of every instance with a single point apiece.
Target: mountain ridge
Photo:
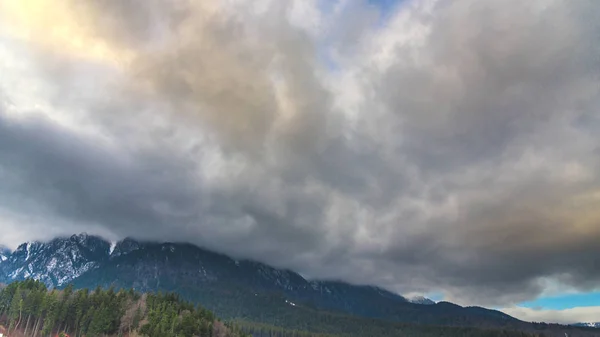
(80, 253)
(103, 250)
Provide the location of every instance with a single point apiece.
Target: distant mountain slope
(233, 289)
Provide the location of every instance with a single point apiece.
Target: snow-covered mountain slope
(55, 263)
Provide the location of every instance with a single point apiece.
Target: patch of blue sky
(435, 296)
(385, 8)
(565, 301)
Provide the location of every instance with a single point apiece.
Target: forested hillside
(28, 308)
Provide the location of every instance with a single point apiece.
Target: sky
(446, 148)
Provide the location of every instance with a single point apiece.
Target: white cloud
(566, 316)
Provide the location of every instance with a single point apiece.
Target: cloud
(566, 316)
(453, 148)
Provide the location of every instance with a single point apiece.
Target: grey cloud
(489, 76)
(493, 86)
(469, 168)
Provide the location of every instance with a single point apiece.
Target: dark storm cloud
(454, 149)
(143, 194)
(87, 181)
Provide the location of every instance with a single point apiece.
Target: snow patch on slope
(28, 250)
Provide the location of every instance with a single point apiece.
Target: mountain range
(234, 289)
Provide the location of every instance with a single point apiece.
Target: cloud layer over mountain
(446, 146)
